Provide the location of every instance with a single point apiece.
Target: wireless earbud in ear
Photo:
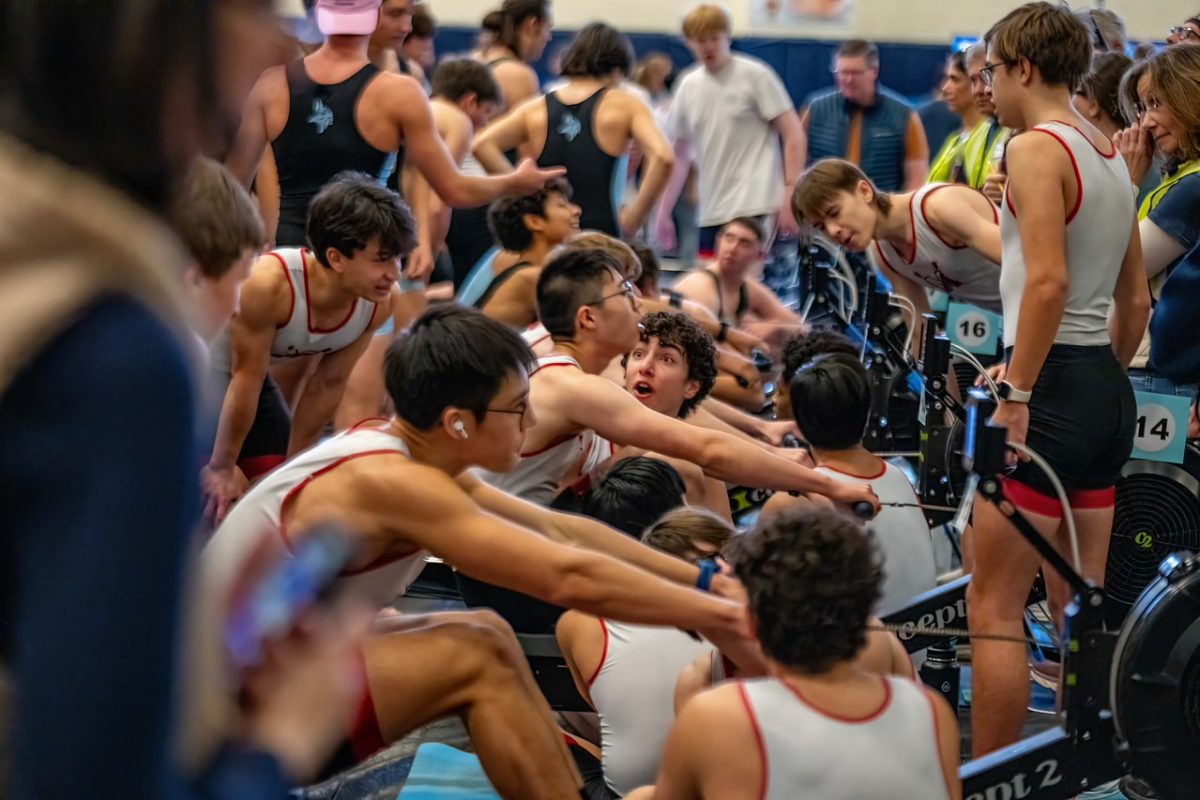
(460, 428)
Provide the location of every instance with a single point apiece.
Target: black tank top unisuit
(498, 281)
(321, 139)
(571, 143)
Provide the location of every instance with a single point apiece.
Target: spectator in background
(1186, 33)
(418, 45)
(652, 74)
(983, 154)
(938, 119)
(733, 111)
(1098, 98)
(947, 166)
(866, 124)
(1107, 29)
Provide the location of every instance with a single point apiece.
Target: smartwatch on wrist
(1011, 394)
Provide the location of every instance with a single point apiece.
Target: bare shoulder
(948, 199)
(721, 708)
(1036, 148)
(271, 83)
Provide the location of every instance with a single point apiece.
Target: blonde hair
(1048, 36)
(818, 187)
(679, 531)
(706, 20)
(631, 265)
(1175, 79)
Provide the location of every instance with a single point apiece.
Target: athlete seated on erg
(830, 398)
(627, 673)
(820, 725)
(403, 488)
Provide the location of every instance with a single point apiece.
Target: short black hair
(696, 345)
(634, 494)
(452, 356)
(506, 216)
(455, 78)
(812, 577)
(650, 265)
(807, 346)
(572, 278)
(351, 210)
(596, 52)
(831, 401)
(107, 112)
(750, 224)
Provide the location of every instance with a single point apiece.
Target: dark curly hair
(506, 217)
(813, 578)
(817, 342)
(679, 331)
(351, 210)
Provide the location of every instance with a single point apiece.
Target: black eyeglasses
(522, 411)
(1183, 32)
(988, 71)
(626, 289)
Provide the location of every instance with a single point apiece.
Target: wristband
(723, 332)
(708, 568)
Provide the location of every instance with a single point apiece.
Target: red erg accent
(257, 466)
(758, 737)
(603, 655)
(1093, 498)
(366, 739)
(880, 474)
(1029, 499)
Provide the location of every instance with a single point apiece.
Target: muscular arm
(574, 633)
(458, 133)
(1131, 302)
(576, 530)
(251, 332)
(266, 190)
(1159, 248)
(436, 515)
(600, 405)
(1039, 167)
(324, 389)
(247, 151)
(508, 133)
(767, 306)
(795, 153)
(908, 289)
(659, 163)
(916, 154)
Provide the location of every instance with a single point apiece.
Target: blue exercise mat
(440, 771)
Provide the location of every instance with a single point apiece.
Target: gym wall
(913, 35)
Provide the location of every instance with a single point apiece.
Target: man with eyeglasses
(594, 316)
(459, 383)
(866, 124)
(1187, 33)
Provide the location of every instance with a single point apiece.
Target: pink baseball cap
(348, 17)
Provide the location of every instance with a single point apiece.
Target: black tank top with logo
(499, 280)
(571, 143)
(321, 139)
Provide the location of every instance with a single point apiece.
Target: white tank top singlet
(540, 472)
(956, 270)
(298, 336)
(262, 510)
(634, 692)
(809, 753)
(1098, 231)
(901, 533)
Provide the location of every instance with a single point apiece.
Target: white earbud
(460, 428)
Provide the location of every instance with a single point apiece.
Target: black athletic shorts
(266, 445)
(1081, 420)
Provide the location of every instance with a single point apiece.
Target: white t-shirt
(727, 117)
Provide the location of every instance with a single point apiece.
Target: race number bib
(973, 329)
(1160, 433)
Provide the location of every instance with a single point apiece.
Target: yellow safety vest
(979, 150)
(947, 158)
(1154, 198)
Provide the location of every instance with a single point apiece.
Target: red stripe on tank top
(308, 303)
(287, 276)
(603, 656)
(764, 765)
